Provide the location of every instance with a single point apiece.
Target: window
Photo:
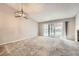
(45, 29)
(53, 29)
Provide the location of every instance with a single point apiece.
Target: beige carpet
(43, 46)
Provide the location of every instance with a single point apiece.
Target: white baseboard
(17, 40)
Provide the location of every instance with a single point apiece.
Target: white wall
(77, 24)
(71, 30)
(13, 29)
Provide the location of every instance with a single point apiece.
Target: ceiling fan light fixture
(19, 13)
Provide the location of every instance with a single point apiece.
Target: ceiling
(41, 12)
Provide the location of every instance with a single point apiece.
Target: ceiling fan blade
(26, 17)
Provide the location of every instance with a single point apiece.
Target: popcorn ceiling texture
(42, 46)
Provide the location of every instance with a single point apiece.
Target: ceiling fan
(21, 13)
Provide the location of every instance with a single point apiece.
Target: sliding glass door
(53, 30)
(59, 30)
